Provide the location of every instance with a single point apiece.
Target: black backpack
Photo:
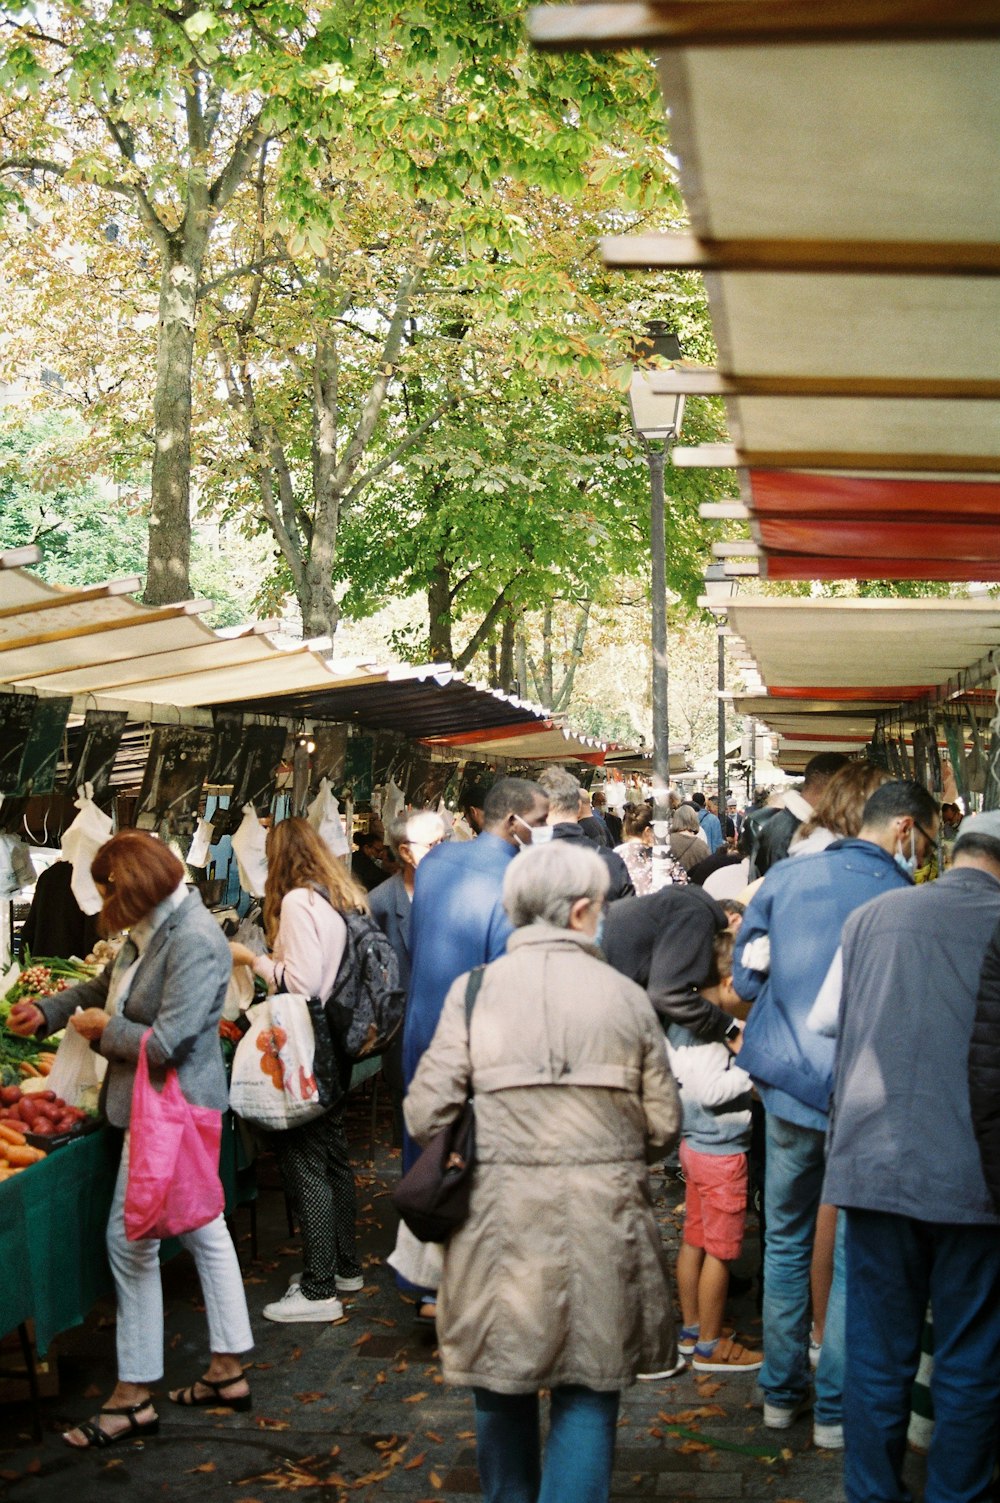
(365, 1008)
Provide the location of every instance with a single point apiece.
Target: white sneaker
(344, 1285)
(293, 1306)
(782, 1417)
(828, 1437)
(666, 1372)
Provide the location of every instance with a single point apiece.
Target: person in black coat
(563, 791)
(984, 1065)
(664, 941)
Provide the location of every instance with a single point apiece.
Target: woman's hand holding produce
(24, 1019)
(91, 1022)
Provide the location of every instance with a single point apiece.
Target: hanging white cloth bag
(324, 816)
(81, 843)
(249, 850)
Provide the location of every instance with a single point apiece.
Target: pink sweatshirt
(309, 946)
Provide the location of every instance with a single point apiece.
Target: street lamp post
(656, 421)
(719, 588)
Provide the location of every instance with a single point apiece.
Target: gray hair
(541, 885)
(685, 818)
(420, 824)
(563, 790)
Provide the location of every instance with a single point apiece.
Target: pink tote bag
(173, 1168)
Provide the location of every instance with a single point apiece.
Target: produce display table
(52, 1221)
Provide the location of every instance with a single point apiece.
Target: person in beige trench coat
(558, 1278)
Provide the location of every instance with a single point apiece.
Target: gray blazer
(391, 908)
(177, 990)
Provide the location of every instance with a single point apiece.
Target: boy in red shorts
(715, 1137)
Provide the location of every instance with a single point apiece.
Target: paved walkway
(359, 1408)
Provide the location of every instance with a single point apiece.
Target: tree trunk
(505, 670)
(168, 571)
(564, 694)
(439, 612)
(521, 664)
(317, 602)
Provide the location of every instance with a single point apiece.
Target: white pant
(136, 1270)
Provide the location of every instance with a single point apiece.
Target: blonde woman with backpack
(305, 897)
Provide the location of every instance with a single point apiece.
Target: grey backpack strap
(472, 986)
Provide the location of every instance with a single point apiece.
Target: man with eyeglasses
(787, 942)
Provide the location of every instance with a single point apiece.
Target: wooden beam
(20, 558)
(743, 548)
(960, 258)
(72, 597)
(723, 511)
(96, 628)
(728, 457)
(705, 382)
(752, 23)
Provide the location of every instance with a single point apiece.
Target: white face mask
(537, 834)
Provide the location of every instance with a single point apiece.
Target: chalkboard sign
(96, 751)
(329, 758)
(45, 739)
(356, 783)
(179, 758)
(260, 753)
(16, 714)
(228, 742)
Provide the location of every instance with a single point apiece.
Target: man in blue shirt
(788, 939)
(711, 826)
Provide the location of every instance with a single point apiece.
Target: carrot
(10, 1134)
(21, 1157)
(44, 1063)
(28, 1070)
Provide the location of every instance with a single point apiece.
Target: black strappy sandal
(186, 1398)
(97, 1439)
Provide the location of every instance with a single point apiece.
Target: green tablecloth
(52, 1221)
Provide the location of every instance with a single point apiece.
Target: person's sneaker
(782, 1416)
(828, 1437)
(666, 1372)
(727, 1356)
(350, 1283)
(293, 1306)
(345, 1284)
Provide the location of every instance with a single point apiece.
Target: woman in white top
(306, 893)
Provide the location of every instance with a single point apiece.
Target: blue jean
(792, 1189)
(894, 1264)
(578, 1457)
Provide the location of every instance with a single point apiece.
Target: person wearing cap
(903, 1162)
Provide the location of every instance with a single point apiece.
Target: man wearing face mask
(563, 791)
(789, 936)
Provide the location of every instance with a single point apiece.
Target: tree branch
(486, 626)
(403, 447)
(235, 170)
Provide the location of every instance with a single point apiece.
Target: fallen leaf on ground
(434, 1479)
(656, 1433)
(414, 1398)
(309, 1398)
(438, 1439)
(387, 1445)
(383, 1320)
(206, 1466)
(263, 1423)
(707, 1390)
(691, 1446)
(466, 1435)
(365, 1336)
(295, 1354)
(415, 1461)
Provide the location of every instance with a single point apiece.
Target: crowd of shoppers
(796, 1044)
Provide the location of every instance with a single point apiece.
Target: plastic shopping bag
(197, 856)
(77, 1072)
(173, 1181)
(280, 1079)
(324, 816)
(249, 850)
(81, 843)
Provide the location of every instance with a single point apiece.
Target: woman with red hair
(168, 982)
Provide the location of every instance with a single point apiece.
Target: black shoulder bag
(433, 1195)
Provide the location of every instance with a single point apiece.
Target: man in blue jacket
(921, 1224)
(790, 934)
(711, 825)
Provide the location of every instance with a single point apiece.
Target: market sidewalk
(360, 1408)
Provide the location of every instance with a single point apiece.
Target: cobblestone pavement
(358, 1408)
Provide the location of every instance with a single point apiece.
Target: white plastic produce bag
(324, 816)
